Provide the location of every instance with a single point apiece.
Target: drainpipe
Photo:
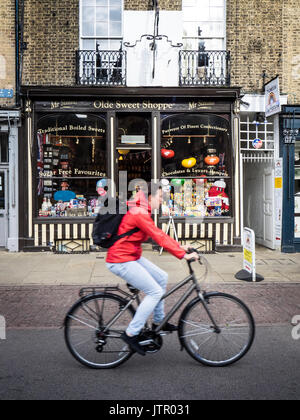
(17, 53)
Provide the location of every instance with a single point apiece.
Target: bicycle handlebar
(190, 251)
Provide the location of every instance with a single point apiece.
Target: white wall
(140, 58)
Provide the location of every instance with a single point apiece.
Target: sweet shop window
(70, 165)
(196, 161)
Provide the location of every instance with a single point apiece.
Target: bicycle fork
(202, 298)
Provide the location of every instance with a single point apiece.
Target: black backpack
(105, 229)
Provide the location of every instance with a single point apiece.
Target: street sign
(249, 260)
(6, 93)
(249, 252)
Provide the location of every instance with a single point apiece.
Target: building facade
(159, 90)
(9, 123)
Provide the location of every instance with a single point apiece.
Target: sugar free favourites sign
(272, 97)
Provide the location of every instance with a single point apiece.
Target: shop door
(260, 202)
(268, 237)
(133, 152)
(3, 208)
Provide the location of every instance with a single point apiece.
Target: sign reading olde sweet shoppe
(136, 105)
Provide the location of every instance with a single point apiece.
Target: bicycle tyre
(84, 326)
(222, 307)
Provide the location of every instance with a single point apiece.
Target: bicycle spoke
(82, 322)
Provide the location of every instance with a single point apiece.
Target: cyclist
(125, 260)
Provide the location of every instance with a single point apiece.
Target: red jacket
(130, 248)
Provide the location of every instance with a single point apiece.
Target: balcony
(101, 68)
(204, 68)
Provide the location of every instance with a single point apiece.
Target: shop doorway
(259, 202)
(133, 151)
(3, 207)
(134, 165)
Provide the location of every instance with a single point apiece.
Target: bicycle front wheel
(87, 335)
(219, 332)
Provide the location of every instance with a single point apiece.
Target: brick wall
(7, 49)
(263, 35)
(51, 31)
(291, 50)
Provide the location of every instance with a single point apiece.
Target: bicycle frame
(174, 309)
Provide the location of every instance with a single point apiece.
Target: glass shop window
(196, 161)
(71, 165)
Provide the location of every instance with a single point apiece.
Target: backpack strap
(129, 233)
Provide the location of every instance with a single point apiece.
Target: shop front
(290, 151)
(80, 150)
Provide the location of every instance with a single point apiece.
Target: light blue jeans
(147, 277)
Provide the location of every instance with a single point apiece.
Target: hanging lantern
(123, 152)
(167, 154)
(189, 163)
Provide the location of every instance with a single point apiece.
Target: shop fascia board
(158, 92)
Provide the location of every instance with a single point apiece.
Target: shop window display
(196, 157)
(71, 164)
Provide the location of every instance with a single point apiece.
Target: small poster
(249, 251)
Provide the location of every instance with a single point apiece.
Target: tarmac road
(35, 365)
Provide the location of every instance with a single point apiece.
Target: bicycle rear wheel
(87, 337)
(220, 346)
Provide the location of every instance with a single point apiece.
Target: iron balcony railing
(204, 68)
(105, 68)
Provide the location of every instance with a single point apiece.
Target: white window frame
(197, 38)
(95, 38)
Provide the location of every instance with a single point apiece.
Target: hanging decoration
(122, 152)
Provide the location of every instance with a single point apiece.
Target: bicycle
(216, 329)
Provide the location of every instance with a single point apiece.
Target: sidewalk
(48, 269)
(36, 290)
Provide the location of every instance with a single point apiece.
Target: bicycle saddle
(131, 288)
